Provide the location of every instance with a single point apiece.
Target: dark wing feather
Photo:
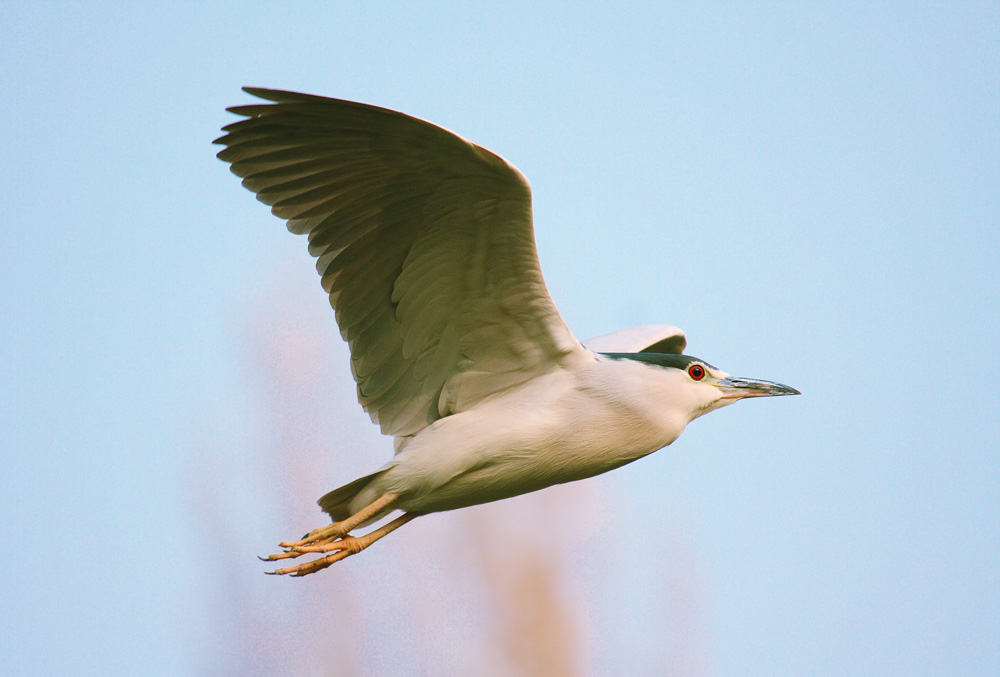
(424, 242)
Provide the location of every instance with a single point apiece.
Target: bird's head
(693, 387)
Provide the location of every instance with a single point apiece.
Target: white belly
(558, 428)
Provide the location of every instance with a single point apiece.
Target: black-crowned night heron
(424, 241)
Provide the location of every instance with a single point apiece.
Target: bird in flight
(425, 245)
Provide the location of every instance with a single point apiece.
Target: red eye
(696, 371)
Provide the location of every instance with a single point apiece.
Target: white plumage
(425, 245)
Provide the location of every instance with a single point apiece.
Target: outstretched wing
(425, 245)
(648, 338)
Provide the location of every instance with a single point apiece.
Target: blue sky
(811, 192)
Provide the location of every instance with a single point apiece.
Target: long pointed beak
(736, 388)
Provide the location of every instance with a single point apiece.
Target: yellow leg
(335, 537)
(345, 547)
(341, 529)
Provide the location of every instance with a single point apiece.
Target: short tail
(337, 502)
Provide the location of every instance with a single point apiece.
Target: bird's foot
(326, 539)
(318, 541)
(332, 537)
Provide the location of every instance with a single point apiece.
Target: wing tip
(281, 95)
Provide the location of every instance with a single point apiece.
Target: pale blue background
(811, 192)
